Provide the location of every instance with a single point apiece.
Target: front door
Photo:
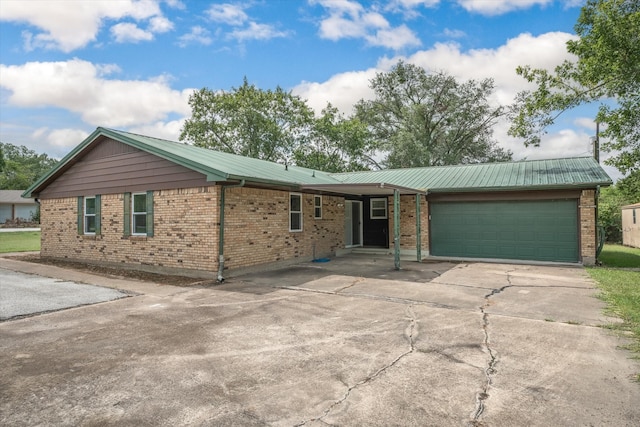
(352, 223)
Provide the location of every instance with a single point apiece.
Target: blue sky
(67, 67)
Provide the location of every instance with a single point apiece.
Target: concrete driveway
(349, 342)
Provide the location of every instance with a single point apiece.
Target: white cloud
(257, 31)
(64, 138)
(226, 13)
(454, 34)
(498, 7)
(349, 19)
(394, 38)
(83, 88)
(165, 130)
(160, 24)
(408, 7)
(129, 32)
(198, 35)
(342, 90)
(68, 24)
(544, 51)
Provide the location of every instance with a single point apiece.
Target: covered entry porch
(374, 197)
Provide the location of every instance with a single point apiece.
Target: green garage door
(544, 230)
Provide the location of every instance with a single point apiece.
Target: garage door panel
(537, 230)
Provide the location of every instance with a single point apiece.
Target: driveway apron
(347, 343)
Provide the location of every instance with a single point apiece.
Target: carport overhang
(381, 189)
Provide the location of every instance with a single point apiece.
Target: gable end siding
(117, 168)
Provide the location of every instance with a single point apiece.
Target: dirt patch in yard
(118, 273)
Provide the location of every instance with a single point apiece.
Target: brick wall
(186, 227)
(257, 227)
(185, 231)
(408, 239)
(588, 245)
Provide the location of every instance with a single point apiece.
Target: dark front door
(376, 222)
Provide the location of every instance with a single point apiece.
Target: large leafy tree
(337, 144)
(421, 119)
(22, 167)
(605, 70)
(264, 124)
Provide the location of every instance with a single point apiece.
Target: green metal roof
(216, 165)
(578, 172)
(220, 167)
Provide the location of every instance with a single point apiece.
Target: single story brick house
(631, 225)
(133, 200)
(14, 207)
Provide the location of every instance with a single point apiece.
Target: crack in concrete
(355, 282)
(370, 296)
(490, 370)
(410, 332)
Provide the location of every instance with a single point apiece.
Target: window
(634, 216)
(317, 207)
(295, 212)
(139, 214)
(89, 215)
(378, 209)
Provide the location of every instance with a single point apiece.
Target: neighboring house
(631, 225)
(128, 199)
(13, 206)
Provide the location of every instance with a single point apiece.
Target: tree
(422, 119)
(248, 121)
(337, 144)
(22, 167)
(606, 68)
(629, 186)
(1, 158)
(610, 201)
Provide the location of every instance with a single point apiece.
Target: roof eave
(578, 186)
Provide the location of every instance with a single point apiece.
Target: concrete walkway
(350, 342)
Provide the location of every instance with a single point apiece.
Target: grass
(620, 256)
(621, 290)
(19, 241)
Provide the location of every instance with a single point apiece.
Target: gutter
(221, 232)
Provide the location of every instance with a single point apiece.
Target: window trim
(134, 213)
(291, 212)
(386, 208)
(317, 208)
(85, 215)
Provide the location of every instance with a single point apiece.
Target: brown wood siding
(107, 147)
(112, 167)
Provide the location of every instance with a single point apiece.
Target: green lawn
(621, 289)
(620, 256)
(19, 241)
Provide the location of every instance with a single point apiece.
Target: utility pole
(596, 143)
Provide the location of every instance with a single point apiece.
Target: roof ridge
(465, 165)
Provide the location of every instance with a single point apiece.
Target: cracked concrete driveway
(349, 342)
